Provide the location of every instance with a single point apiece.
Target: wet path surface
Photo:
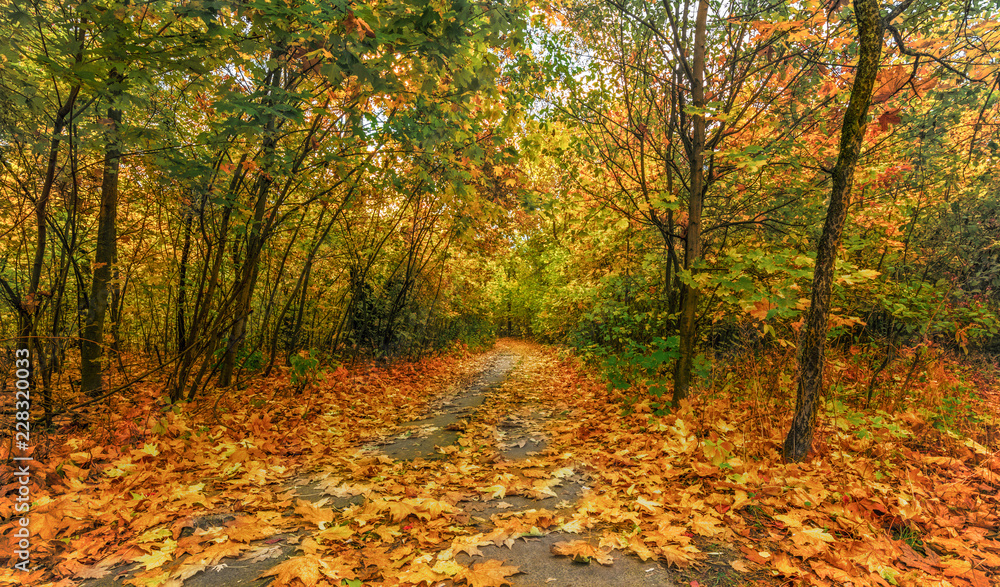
(420, 438)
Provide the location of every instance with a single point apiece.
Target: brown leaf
(739, 566)
(582, 552)
(887, 118)
(921, 88)
(97, 571)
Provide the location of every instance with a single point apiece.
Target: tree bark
(692, 241)
(105, 256)
(813, 338)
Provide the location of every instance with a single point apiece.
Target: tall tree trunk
(294, 341)
(182, 282)
(692, 242)
(247, 275)
(105, 257)
(813, 338)
(249, 270)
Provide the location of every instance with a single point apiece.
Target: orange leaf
(248, 529)
(706, 525)
(890, 81)
(782, 564)
(216, 552)
(637, 546)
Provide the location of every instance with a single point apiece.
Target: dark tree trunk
(813, 338)
(182, 283)
(105, 256)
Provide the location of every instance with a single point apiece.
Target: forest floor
(512, 467)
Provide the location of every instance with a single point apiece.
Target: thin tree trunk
(692, 242)
(182, 282)
(277, 285)
(294, 342)
(813, 339)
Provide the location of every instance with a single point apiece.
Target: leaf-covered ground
(886, 500)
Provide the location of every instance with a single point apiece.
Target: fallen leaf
(582, 552)
(303, 568)
(491, 573)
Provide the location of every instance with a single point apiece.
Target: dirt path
(471, 492)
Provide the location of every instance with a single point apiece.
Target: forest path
(470, 492)
(512, 467)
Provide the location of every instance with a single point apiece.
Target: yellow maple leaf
(313, 514)
(248, 529)
(388, 533)
(495, 491)
(469, 545)
(491, 573)
(421, 573)
(156, 559)
(653, 506)
(186, 572)
(303, 568)
(574, 526)
(811, 537)
(335, 533)
(447, 567)
(789, 520)
(211, 555)
(706, 525)
(399, 510)
(429, 509)
(678, 556)
(782, 565)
